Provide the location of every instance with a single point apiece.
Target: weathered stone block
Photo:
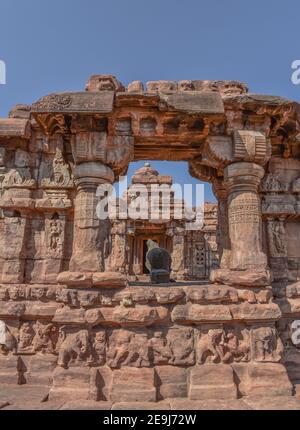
(69, 316)
(9, 373)
(212, 293)
(251, 312)
(133, 385)
(70, 383)
(268, 380)
(172, 381)
(139, 315)
(109, 280)
(245, 278)
(74, 279)
(40, 369)
(194, 313)
(212, 382)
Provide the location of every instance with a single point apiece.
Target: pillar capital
(90, 146)
(91, 174)
(243, 176)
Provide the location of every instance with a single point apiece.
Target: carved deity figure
(128, 349)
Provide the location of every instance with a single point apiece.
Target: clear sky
(55, 45)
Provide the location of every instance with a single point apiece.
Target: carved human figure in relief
(235, 349)
(138, 351)
(55, 236)
(276, 236)
(118, 348)
(26, 336)
(159, 349)
(217, 346)
(99, 347)
(265, 345)
(45, 338)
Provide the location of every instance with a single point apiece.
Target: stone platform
(17, 398)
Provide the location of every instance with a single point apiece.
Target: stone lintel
(195, 102)
(80, 102)
(15, 127)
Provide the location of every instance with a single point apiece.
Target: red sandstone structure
(70, 321)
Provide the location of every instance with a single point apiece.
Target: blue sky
(55, 45)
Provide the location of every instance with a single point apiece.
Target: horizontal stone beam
(14, 127)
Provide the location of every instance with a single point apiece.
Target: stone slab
(93, 102)
(133, 385)
(22, 393)
(195, 102)
(84, 405)
(272, 403)
(208, 405)
(268, 379)
(172, 381)
(211, 381)
(142, 406)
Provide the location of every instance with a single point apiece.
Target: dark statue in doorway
(158, 262)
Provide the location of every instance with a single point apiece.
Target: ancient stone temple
(71, 319)
(193, 252)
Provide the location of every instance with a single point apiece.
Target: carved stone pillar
(223, 241)
(91, 234)
(244, 216)
(99, 160)
(248, 262)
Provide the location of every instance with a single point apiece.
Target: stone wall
(142, 343)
